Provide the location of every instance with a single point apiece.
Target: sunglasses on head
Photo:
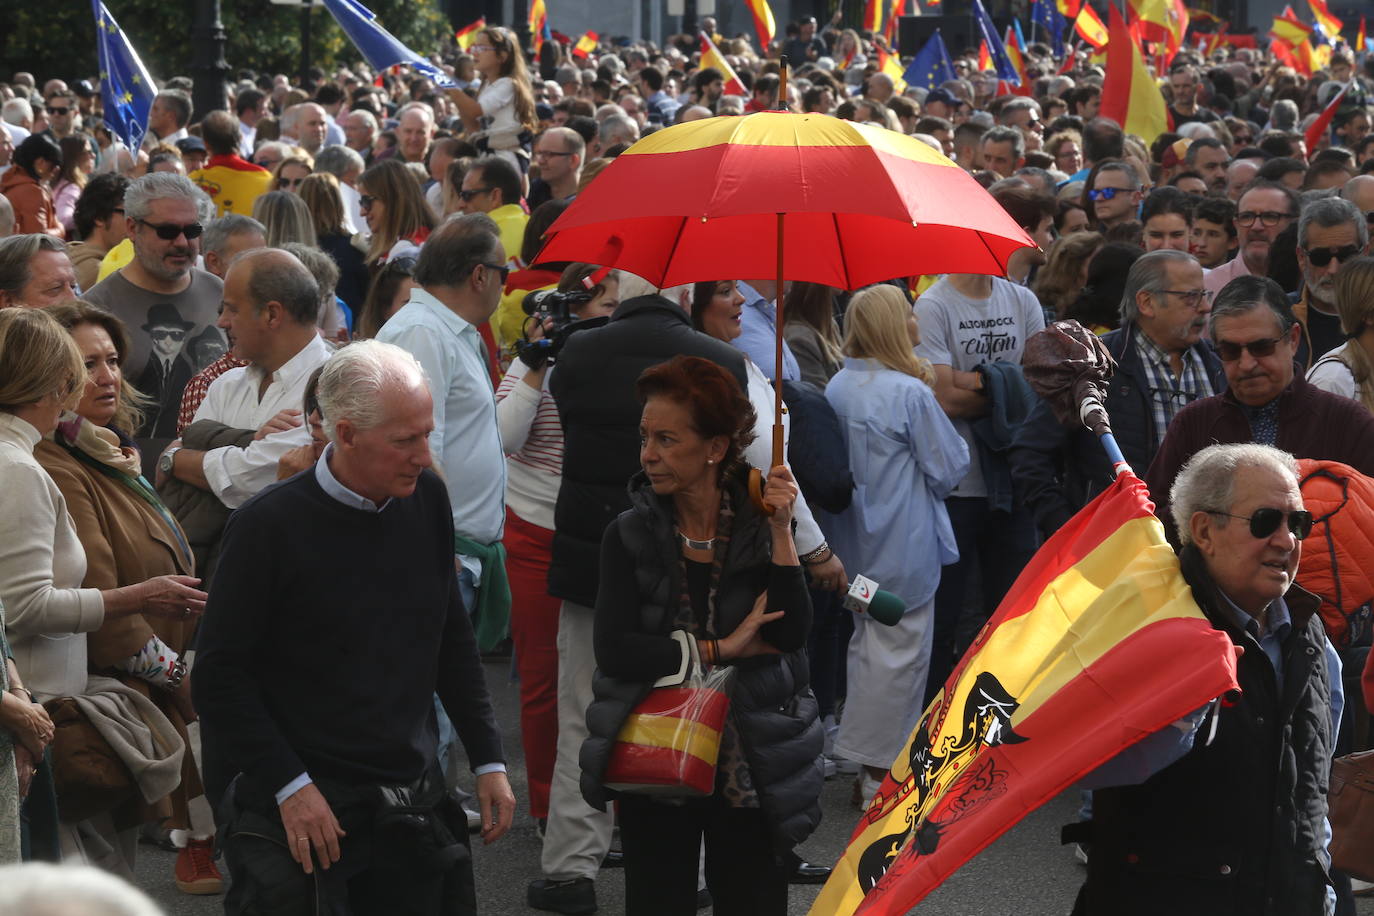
(1266, 521)
(169, 231)
(1229, 352)
(1320, 257)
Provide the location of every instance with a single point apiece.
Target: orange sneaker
(195, 869)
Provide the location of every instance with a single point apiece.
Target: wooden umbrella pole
(778, 457)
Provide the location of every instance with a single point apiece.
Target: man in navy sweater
(335, 616)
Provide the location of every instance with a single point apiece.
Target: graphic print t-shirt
(963, 333)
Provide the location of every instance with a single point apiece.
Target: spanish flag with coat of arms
(1098, 644)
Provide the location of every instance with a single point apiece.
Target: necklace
(694, 544)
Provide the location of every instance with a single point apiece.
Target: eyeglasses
(176, 334)
(1107, 193)
(56, 110)
(1230, 352)
(545, 154)
(469, 195)
(365, 201)
(1320, 257)
(1192, 297)
(1266, 521)
(1268, 217)
(500, 269)
(169, 231)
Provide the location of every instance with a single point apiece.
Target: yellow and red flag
(894, 16)
(585, 45)
(1316, 131)
(1098, 644)
(1288, 27)
(1325, 21)
(765, 26)
(711, 57)
(1016, 54)
(1360, 40)
(1130, 96)
(873, 17)
(1163, 22)
(1089, 25)
(468, 33)
(1203, 15)
(539, 24)
(891, 64)
(984, 58)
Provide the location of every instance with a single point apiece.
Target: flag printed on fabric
(126, 88)
(1098, 644)
(1068, 8)
(1289, 28)
(380, 47)
(873, 16)
(1361, 42)
(539, 24)
(1016, 52)
(890, 63)
(1317, 129)
(931, 66)
(988, 33)
(468, 33)
(894, 17)
(1328, 24)
(1130, 95)
(1089, 25)
(984, 57)
(585, 45)
(1203, 15)
(1162, 21)
(1045, 14)
(765, 26)
(711, 57)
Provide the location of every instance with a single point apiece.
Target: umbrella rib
(672, 251)
(991, 253)
(844, 262)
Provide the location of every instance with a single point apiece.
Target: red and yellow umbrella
(853, 203)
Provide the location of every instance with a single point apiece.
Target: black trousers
(662, 845)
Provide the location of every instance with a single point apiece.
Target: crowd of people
(262, 371)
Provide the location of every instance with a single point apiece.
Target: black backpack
(816, 449)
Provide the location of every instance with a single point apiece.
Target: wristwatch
(164, 464)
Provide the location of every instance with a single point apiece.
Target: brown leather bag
(89, 777)
(1351, 804)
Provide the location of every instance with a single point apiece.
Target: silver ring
(302, 839)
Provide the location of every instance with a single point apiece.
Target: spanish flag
(1325, 21)
(873, 17)
(539, 24)
(889, 63)
(711, 57)
(1316, 131)
(1018, 60)
(585, 45)
(468, 33)
(1360, 40)
(1098, 644)
(1130, 96)
(1068, 8)
(1289, 28)
(1163, 22)
(1089, 25)
(764, 24)
(894, 17)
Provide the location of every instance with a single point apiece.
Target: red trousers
(534, 629)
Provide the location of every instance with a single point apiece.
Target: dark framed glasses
(473, 192)
(1320, 257)
(1229, 352)
(499, 268)
(1267, 520)
(1268, 217)
(58, 110)
(169, 231)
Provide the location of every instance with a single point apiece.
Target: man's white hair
(353, 381)
(1208, 481)
(44, 889)
(17, 112)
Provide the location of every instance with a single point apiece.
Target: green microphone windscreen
(886, 608)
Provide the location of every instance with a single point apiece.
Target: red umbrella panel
(700, 201)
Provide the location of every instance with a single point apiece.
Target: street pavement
(1025, 873)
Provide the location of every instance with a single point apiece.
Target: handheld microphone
(865, 597)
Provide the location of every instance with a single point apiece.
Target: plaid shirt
(1170, 394)
(199, 384)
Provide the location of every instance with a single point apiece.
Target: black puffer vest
(771, 700)
(1235, 826)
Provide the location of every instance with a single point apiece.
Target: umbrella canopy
(700, 201)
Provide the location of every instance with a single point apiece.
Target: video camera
(551, 310)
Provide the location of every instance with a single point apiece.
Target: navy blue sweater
(327, 631)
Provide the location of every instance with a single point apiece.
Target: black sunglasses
(470, 194)
(53, 109)
(169, 231)
(1230, 352)
(1266, 521)
(1320, 257)
(503, 271)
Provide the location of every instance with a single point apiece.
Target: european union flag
(931, 66)
(379, 46)
(126, 89)
(1045, 13)
(988, 32)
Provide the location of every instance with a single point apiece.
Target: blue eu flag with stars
(126, 89)
(379, 46)
(1045, 13)
(931, 66)
(988, 32)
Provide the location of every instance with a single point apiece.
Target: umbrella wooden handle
(756, 491)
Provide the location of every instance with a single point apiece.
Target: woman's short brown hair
(719, 407)
(37, 358)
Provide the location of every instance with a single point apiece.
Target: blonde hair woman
(906, 457)
(321, 196)
(47, 612)
(1348, 370)
(286, 218)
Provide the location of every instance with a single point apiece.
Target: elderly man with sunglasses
(1267, 401)
(1225, 811)
(1331, 231)
(164, 214)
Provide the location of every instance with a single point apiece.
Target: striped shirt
(1169, 393)
(532, 437)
